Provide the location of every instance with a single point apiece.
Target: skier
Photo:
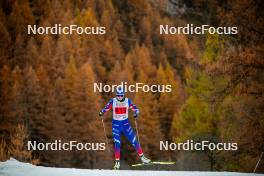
(121, 124)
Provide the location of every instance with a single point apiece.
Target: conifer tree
(20, 17)
(5, 43)
(6, 87)
(149, 126)
(200, 116)
(33, 97)
(169, 102)
(18, 147)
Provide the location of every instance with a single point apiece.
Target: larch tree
(86, 122)
(149, 124)
(200, 115)
(169, 102)
(5, 43)
(243, 63)
(6, 126)
(32, 102)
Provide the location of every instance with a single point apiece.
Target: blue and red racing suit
(121, 124)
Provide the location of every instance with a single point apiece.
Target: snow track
(13, 167)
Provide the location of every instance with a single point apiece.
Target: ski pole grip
(101, 114)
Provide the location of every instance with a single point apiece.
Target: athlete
(121, 124)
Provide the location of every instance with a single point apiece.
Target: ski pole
(107, 144)
(258, 162)
(137, 130)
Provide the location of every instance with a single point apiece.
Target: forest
(46, 81)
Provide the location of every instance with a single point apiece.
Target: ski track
(13, 167)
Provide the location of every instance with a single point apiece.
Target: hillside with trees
(46, 81)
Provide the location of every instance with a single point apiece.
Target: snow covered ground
(13, 167)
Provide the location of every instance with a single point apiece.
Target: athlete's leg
(129, 133)
(116, 135)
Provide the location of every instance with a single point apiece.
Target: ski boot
(117, 165)
(145, 160)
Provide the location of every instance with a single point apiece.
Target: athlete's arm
(108, 106)
(133, 106)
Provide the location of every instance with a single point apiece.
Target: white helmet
(120, 94)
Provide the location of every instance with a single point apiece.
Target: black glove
(135, 115)
(101, 114)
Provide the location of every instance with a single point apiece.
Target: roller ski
(153, 163)
(146, 161)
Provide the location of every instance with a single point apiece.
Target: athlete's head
(120, 94)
